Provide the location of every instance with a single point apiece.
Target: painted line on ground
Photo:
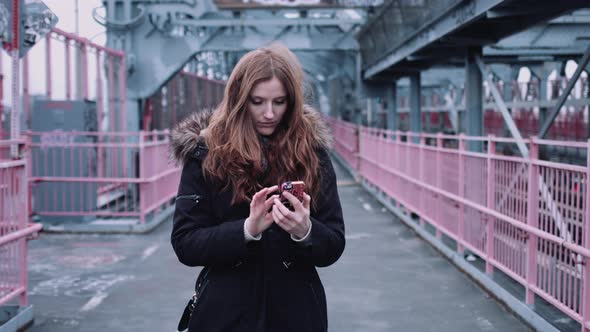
(149, 251)
(94, 302)
(346, 183)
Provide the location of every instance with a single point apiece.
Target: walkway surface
(387, 280)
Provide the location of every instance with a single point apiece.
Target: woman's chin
(266, 131)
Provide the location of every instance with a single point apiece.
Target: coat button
(198, 153)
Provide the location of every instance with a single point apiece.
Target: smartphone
(296, 188)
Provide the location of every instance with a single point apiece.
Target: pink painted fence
(88, 175)
(346, 142)
(14, 227)
(525, 217)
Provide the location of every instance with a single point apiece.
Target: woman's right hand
(260, 219)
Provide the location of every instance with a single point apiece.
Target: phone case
(296, 188)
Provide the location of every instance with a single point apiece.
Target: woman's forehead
(272, 88)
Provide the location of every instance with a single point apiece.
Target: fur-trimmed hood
(186, 135)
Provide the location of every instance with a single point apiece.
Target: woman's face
(267, 105)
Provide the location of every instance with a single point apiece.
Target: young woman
(259, 256)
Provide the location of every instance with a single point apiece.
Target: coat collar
(186, 141)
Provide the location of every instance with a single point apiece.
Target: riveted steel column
(357, 112)
(415, 105)
(391, 97)
(541, 73)
(473, 99)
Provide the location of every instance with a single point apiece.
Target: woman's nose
(268, 112)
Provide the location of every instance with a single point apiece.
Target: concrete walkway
(387, 280)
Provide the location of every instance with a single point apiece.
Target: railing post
(29, 173)
(395, 164)
(68, 69)
(26, 104)
(111, 99)
(99, 115)
(83, 52)
(2, 95)
(357, 135)
(154, 169)
(48, 78)
(461, 226)
(142, 175)
(166, 141)
(23, 192)
(421, 176)
(384, 139)
(437, 215)
(585, 298)
(122, 79)
(491, 181)
(532, 220)
(408, 166)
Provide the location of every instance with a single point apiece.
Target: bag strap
(190, 306)
(186, 316)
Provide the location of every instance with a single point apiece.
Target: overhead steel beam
(257, 22)
(215, 34)
(570, 85)
(169, 33)
(172, 52)
(521, 11)
(454, 18)
(466, 41)
(283, 31)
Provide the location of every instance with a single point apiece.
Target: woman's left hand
(294, 222)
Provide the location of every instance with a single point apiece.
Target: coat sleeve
(326, 241)
(197, 237)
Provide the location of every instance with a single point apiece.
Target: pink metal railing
(107, 175)
(14, 195)
(108, 75)
(14, 227)
(346, 142)
(526, 217)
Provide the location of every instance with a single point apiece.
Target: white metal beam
(257, 22)
(570, 85)
(503, 109)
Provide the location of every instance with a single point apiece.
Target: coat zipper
(195, 198)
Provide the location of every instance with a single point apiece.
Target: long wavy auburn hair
(236, 153)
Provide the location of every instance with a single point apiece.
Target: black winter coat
(263, 286)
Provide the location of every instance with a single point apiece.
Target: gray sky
(88, 28)
(65, 10)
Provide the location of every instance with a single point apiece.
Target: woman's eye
(280, 102)
(256, 102)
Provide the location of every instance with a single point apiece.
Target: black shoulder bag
(201, 284)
